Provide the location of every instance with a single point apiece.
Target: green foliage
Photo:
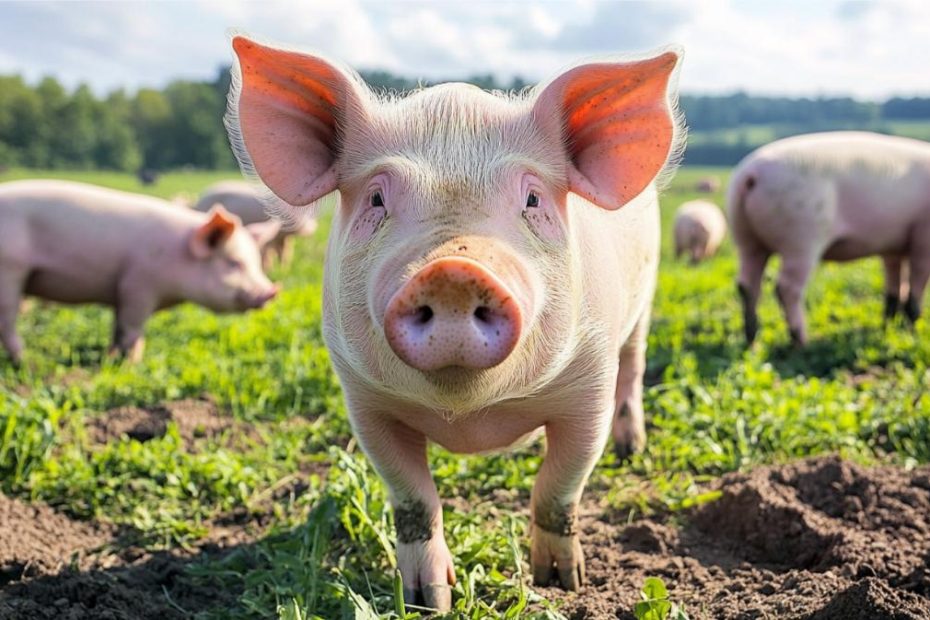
(656, 604)
(859, 388)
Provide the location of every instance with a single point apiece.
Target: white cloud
(871, 49)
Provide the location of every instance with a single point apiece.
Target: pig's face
(449, 274)
(453, 273)
(226, 275)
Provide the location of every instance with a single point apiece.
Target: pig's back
(75, 239)
(867, 189)
(237, 197)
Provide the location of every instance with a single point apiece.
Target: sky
(871, 50)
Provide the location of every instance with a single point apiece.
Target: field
(219, 479)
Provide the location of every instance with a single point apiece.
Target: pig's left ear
(617, 121)
(285, 112)
(213, 233)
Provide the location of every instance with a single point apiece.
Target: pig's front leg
(573, 445)
(133, 308)
(399, 455)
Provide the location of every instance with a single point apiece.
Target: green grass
(859, 389)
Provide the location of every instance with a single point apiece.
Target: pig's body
(699, 229)
(76, 243)
(242, 199)
(832, 196)
(490, 270)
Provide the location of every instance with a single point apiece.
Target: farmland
(219, 479)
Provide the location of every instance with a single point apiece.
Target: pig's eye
(532, 199)
(234, 263)
(377, 200)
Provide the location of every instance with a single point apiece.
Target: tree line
(44, 125)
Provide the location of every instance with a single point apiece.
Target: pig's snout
(453, 313)
(258, 300)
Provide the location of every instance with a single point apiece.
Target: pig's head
(226, 274)
(452, 276)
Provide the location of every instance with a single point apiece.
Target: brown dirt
(821, 539)
(197, 421)
(54, 567)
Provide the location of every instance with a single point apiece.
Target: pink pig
(78, 243)
(490, 270)
(832, 196)
(245, 201)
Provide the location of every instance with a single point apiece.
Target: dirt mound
(820, 539)
(197, 420)
(36, 540)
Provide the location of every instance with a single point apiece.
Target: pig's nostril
(483, 314)
(423, 315)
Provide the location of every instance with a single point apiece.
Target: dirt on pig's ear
(212, 234)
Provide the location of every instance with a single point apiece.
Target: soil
(197, 421)
(820, 539)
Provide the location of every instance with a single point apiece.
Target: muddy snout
(453, 313)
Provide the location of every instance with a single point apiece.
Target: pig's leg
(752, 260)
(892, 266)
(919, 263)
(572, 449)
(11, 290)
(286, 251)
(399, 455)
(629, 424)
(792, 281)
(133, 308)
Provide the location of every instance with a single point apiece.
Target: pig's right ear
(285, 110)
(617, 123)
(212, 234)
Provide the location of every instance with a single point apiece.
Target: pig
(836, 196)
(699, 229)
(708, 185)
(489, 273)
(77, 243)
(244, 200)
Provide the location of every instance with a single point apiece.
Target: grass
(859, 389)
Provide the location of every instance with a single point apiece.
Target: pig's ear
(618, 124)
(285, 110)
(264, 232)
(213, 233)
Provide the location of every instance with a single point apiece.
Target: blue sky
(818, 47)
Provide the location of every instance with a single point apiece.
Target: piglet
(699, 230)
(490, 270)
(77, 243)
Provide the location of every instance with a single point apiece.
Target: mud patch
(197, 421)
(819, 539)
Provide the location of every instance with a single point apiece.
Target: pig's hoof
(912, 310)
(892, 306)
(798, 339)
(629, 434)
(553, 554)
(427, 571)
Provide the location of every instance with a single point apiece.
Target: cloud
(871, 49)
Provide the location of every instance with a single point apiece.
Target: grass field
(323, 546)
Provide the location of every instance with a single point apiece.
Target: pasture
(219, 479)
